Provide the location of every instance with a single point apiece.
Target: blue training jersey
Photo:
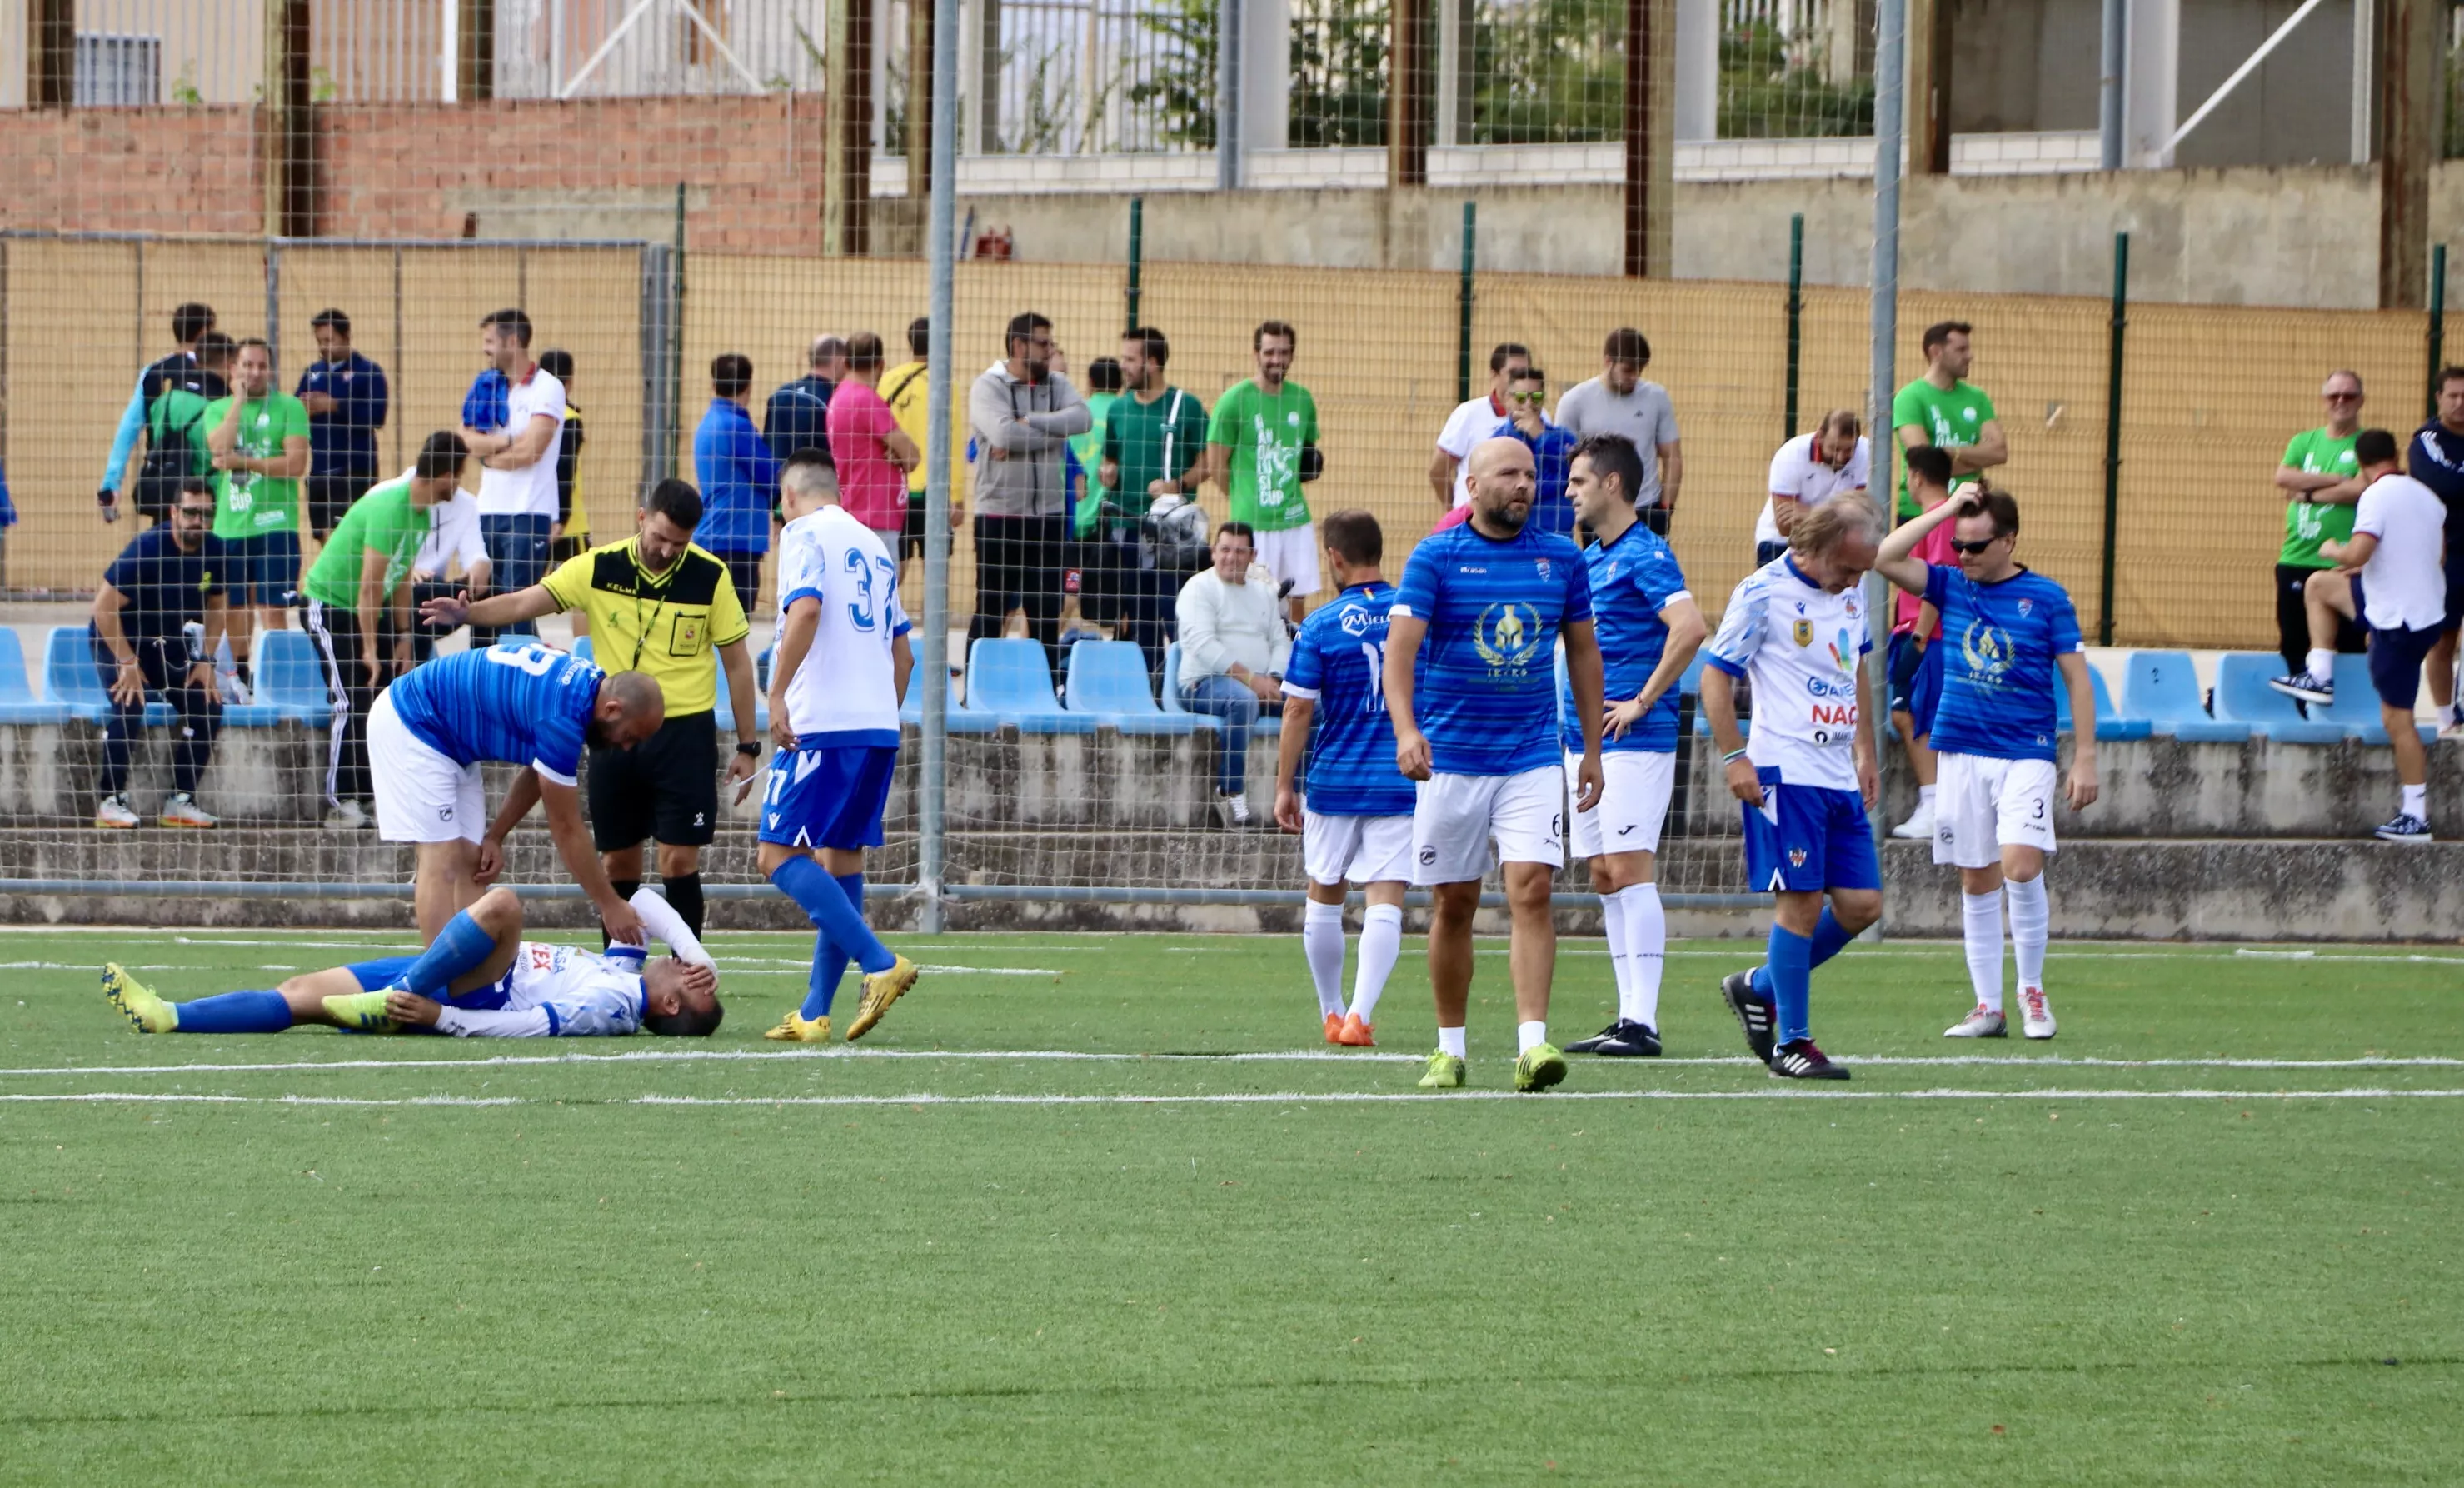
(1633, 580)
(1485, 685)
(520, 704)
(1998, 672)
(1339, 662)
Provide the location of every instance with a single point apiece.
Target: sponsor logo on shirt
(1354, 622)
(1507, 634)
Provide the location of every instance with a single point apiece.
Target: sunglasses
(2341, 397)
(1524, 397)
(1971, 549)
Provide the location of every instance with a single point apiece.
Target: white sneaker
(2450, 723)
(2035, 1015)
(1919, 827)
(1232, 813)
(113, 812)
(183, 810)
(346, 817)
(1982, 1023)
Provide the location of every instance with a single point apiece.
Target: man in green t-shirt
(363, 569)
(1260, 447)
(1154, 450)
(2321, 484)
(258, 436)
(1942, 408)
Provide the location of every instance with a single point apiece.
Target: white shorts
(1356, 849)
(1635, 787)
(1458, 814)
(1292, 554)
(1982, 806)
(421, 797)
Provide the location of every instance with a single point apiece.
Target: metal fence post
(1137, 255)
(1462, 328)
(274, 305)
(675, 359)
(2113, 436)
(657, 278)
(932, 847)
(2437, 326)
(1795, 316)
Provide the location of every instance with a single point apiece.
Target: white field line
(1073, 1055)
(1285, 1097)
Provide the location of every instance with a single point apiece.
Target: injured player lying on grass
(480, 980)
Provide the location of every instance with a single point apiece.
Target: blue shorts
(264, 570)
(1916, 680)
(1807, 838)
(378, 975)
(829, 795)
(2395, 663)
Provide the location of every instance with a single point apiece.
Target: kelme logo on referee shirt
(1507, 634)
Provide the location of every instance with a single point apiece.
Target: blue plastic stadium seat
(2162, 687)
(2109, 724)
(290, 676)
(725, 708)
(1010, 679)
(955, 720)
(2243, 696)
(2357, 703)
(1690, 685)
(69, 677)
(18, 704)
(1109, 680)
(582, 648)
(1268, 726)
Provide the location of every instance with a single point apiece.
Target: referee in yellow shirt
(660, 605)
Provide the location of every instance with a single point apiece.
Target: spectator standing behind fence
(1914, 663)
(1484, 417)
(738, 477)
(873, 454)
(570, 536)
(797, 416)
(359, 582)
(168, 578)
(2320, 481)
(1525, 401)
(1942, 409)
(907, 388)
(170, 448)
(513, 425)
(1022, 413)
(1835, 460)
(1262, 447)
(1153, 460)
(181, 368)
(2436, 459)
(346, 398)
(1232, 649)
(453, 542)
(258, 436)
(1619, 402)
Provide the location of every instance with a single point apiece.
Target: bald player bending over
(480, 980)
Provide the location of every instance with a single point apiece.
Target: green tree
(1338, 72)
(1177, 91)
(1547, 72)
(1767, 91)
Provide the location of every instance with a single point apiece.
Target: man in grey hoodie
(1022, 415)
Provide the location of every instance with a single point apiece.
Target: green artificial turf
(947, 1255)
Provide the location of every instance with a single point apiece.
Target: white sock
(1924, 798)
(2322, 664)
(2416, 801)
(1646, 950)
(1450, 1041)
(1613, 924)
(1980, 919)
(1527, 1035)
(1322, 942)
(2031, 918)
(1381, 940)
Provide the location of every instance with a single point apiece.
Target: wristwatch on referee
(748, 748)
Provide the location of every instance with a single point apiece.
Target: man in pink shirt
(1916, 666)
(873, 455)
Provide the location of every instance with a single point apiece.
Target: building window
(119, 72)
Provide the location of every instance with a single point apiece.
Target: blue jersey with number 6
(1339, 661)
(522, 704)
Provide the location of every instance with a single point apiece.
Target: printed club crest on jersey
(1507, 634)
(1987, 650)
(1802, 632)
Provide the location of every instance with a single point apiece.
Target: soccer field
(1102, 1208)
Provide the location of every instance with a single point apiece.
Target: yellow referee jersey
(667, 624)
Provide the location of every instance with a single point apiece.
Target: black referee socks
(684, 897)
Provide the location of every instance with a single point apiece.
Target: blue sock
(461, 947)
(1790, 974)
(829, 964)
(1828, 940)
(818, 895)
(235, 1013)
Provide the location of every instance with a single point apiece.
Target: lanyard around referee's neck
(641, 631)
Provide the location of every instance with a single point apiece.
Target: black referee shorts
(666, 787)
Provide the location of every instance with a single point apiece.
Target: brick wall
(131, 170)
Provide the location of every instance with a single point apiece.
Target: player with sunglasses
(2005, 632)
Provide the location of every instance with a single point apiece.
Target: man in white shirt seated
(478, 979)
(1233, 647)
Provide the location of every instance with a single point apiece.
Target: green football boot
(1445, 1072)
(1540, 1067)
(362, 1013)
(146, 1013)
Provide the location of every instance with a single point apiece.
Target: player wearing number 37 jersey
(843, 662)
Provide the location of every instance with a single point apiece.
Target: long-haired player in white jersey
(840, 665)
